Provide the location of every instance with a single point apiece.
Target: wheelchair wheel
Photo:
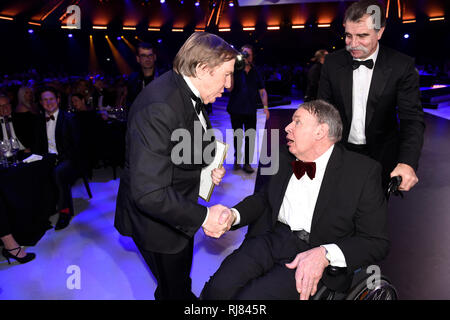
(383, 291)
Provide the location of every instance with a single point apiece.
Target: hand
(266, 111)
(310, 266)
(217, 175)
(409, 178)
(220, 220)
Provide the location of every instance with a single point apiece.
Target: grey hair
(202, 48)
(326, 113)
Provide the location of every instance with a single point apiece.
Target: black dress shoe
(63, 221)
(247, 168)
(8, 255)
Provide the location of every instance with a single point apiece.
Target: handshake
(220, 219)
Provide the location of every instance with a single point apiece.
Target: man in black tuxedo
(58, 133)
(157, 204)
(324, 206)
(371, 86)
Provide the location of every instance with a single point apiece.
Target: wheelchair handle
(393, 186)
(335, 271)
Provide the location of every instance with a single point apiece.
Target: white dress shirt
(197, 94)
(362, 77)
(299, 203)
(51, 128)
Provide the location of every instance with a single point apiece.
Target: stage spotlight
(162, 1)
(231, 3)
(197, 3)
(159, 40)
(70, 35)
(406, 36)
(119, 38)
(30, 31)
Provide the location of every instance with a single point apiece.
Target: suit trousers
(65, 174)
(257, 271)
(172, 272)
(244, 122)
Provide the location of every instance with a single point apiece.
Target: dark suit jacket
(157, 201)
(350, 211)
(67, 136)
(394, 115)
(313, 82)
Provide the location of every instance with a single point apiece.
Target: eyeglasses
(146, 56)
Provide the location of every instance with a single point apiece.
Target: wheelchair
(362, 286)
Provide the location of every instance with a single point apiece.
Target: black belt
(302, 235)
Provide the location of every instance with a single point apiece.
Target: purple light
(162, 1)
(70, 35)
(119, 38)
(197, 4)
(159, 40)
(30, 31)
(406, 36)
(231, 4)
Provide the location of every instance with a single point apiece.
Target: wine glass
(4, 148)
(15, 147)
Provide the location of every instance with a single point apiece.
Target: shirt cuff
(335, 255)
(238, 217)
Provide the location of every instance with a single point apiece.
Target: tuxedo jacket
(350, 211)
(157, 204)
(67, 136)
(394, 124)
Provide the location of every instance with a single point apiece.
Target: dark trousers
(65, 174)
(257, 271)
(244, 122)
(172, 272)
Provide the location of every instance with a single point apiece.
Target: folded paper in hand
(206, 183)
(32, 158)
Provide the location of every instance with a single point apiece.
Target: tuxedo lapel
(329, 183)
(59, 130)
(346, 85)
(380, 77)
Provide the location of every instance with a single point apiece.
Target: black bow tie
(301, 167)
(367, 63)
(49, 118)
(199, 105)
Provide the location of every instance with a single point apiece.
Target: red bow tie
(49, 118)
(301, 167)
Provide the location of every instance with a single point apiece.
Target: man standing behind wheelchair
(325, 206)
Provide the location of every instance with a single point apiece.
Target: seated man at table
(335, 214)
(7, 122)
(58, 133)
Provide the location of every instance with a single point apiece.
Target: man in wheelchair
(324, 208)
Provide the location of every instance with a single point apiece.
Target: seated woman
(11, 250)
(25, 116)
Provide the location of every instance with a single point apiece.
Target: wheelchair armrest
(335, 271)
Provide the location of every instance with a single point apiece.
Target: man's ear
(322, 131)
(380, 32)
